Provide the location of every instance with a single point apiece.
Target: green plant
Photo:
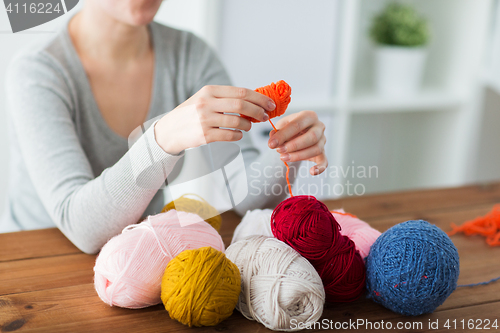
(400, 25)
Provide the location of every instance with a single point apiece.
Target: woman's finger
(230, 121)
(321, 165)
(309, 138)
(305, 154)
(219, 134)
(283, 121)
(234, 105)
(240, 93)
(302, 121)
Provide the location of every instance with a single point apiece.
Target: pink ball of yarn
(358, 231)
(129, 268)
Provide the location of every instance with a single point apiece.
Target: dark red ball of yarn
(307, 225)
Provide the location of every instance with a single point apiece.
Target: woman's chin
(145, 13)
(139, 19)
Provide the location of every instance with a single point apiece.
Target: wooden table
(46, 284)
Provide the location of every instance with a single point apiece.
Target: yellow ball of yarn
(200, 287)
(199, 207)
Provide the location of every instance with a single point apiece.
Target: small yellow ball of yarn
(200, 287)
(199, 207)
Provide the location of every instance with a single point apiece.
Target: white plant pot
(399, 70)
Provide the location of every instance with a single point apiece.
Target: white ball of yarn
(256, 222)
(278, 285)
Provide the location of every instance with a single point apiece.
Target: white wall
(263, 41)
(197, 16)
(488, 152)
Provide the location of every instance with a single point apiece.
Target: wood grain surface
(46, 283)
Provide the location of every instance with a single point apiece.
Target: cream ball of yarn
(279, 287)
(256, 222)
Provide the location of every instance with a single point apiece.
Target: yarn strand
(280, 93)
(286, 164)
(487, 225)
(479, 283)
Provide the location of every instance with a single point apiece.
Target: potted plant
(401, 35)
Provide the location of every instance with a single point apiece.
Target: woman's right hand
(199, 119)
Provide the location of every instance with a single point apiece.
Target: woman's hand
(202, 119)
(301, 137)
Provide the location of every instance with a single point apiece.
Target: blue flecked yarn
(412, 268)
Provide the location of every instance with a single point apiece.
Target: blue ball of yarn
(412, 268)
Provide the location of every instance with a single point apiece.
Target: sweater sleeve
(264, 173)
(89, 210)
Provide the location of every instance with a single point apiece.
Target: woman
(74, 101)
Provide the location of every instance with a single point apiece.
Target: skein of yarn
(200, 287)
(130, 266)
(357, 230)
(278, 285)
(198, 206)
(255, 222)
(307, 225)
(412, 268)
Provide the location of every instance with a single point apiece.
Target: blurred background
(410, 99)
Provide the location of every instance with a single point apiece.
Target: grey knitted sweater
(70, 170)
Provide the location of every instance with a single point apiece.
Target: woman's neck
(99, 36)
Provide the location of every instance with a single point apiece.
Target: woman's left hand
(301, 137)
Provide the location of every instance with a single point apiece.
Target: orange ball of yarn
(280, 94)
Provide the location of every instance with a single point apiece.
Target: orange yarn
(280, 94)
(287, 167)
(487, 225)
(343, 213)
